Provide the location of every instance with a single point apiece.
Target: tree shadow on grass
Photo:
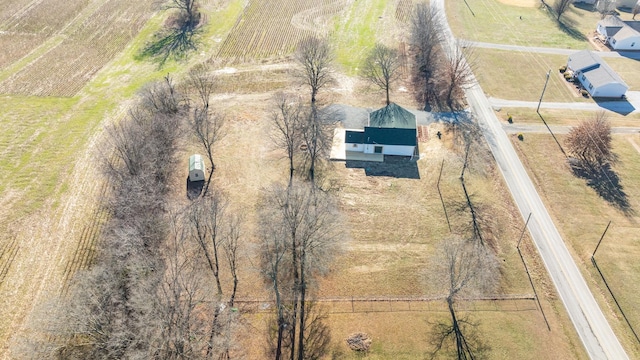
(605, 182)
(565, 24)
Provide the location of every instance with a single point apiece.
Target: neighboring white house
(596, 76)
(391, 131)
(620, 35)
(196, 168)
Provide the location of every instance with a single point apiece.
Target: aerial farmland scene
(319, 179)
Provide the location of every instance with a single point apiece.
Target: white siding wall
(390, 149)
(631, 43)
(354, 147)
(610, 90)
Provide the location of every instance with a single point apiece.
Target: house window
(583, 76)
(613, 41)
(377, 149)
(354, 145)
(633, 44)
(590, 86)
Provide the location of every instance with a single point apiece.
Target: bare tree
(382, 67)
(425, 40)
(560, 6)
(315, 57)
(287, 119)
(605, 7)
(208, 128)
(590, 141)
(635, 11)
(315, 137)
(303, 232)
(459, 72)
(176, 38)
(465, 269)
(163, 97)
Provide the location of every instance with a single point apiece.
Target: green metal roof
(392, 116)
(390, 136)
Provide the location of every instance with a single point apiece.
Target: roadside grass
(619, 252)
(563, 117)
(515, 75)
(356, 30)
(496, 22)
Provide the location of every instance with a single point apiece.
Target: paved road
(631, 105)
(588, 319)
(557, 51)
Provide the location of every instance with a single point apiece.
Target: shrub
(567, 76)
(584, 93)
(360, 342)
(520, 136)
(510, 119)
(563, 68)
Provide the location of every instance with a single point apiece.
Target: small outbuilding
(196, 168)
(391, 131)
(596, 76)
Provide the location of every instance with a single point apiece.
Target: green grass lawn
(356, 30)
(628, 69)
(564, 117)
(619, 254)
(521, 76)
(497, 22)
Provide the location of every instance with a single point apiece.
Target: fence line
(344, 305)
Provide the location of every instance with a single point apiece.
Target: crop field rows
(24, 25)
(273, 28)
(8, 253)
(85, 251)
(403, 10)
(66, 68)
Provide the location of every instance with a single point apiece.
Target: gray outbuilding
(196, 168)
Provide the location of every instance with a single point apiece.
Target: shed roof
(584, 60)
(196, 162)
(625, 33)
(392, 116)
(390, 136)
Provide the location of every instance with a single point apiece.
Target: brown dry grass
(581, 216)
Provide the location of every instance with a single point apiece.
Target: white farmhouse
(391, 131)
(620, 35)
(596, 76)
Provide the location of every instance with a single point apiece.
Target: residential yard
(516, 75)
(523, 23)
(619, 254)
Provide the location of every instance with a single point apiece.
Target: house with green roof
(391, 131)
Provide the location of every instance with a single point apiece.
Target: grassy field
(564, 117)
(530, 25)
(502, 75)
(378, 262)
(619, 253)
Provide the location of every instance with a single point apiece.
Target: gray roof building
(595, 75)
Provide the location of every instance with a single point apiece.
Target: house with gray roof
(619, 34)
(596, 76)
(391, 131)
